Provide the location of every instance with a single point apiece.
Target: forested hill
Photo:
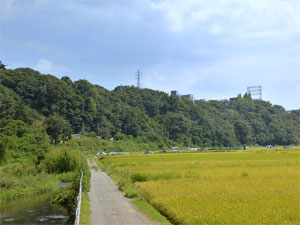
(64, 107)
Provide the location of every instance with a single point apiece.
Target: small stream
(33, 210)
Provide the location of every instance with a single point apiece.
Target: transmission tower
(255, 91)
(138, 78)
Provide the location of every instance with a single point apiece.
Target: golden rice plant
(253, 187)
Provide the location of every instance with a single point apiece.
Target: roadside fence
(77, 219)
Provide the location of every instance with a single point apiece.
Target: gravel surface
(108, 204)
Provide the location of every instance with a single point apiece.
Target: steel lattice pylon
(255, 91)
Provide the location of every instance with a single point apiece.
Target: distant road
(108, 204)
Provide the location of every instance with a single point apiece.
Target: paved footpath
(108, 204)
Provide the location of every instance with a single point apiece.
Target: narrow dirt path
(108, 204)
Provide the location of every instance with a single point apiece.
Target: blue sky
(212, 49)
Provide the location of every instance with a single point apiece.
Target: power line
(99, 73)
(106, 76)
(79, 72)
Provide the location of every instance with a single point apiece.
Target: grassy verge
(27, 185)
(150, 211)
(85, 211)
(132, 191)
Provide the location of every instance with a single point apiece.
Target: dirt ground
(108, 204)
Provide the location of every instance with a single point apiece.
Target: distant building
(176, 94)
(233, 99)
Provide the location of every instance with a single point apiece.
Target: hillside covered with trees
(30, 100)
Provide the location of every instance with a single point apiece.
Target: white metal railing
(79, 202)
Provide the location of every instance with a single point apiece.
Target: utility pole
(125, 127)
(255, 91)
(138, 78)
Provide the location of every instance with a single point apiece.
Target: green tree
(2, 66)
(242, 131)
(22, 142)
(146, 114)
(58, 128)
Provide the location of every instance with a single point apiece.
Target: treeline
(64, 107)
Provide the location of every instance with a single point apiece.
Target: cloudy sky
(212, 49)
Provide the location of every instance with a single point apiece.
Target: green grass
(66, 176)
(150, 211)
(31, 184)
(95, 168)
(85, 211)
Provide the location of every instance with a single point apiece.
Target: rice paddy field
(243, 187)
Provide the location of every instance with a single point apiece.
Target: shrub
(65, 196)
(88, 145)
(18, 169)
(131, 194)
(91, 134)
(137, 177)
(62, 159)
(67, 177)
(244, 174)
(7, 181)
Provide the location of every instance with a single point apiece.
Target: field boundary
(131, 191)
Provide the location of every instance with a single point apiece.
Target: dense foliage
(21, 142)
(63, 159)
(143, 114)
(30, 165)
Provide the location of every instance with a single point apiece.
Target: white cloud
(47, 67)
(216, 29)
(244, 18)
(278, 19)
(16, 65)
